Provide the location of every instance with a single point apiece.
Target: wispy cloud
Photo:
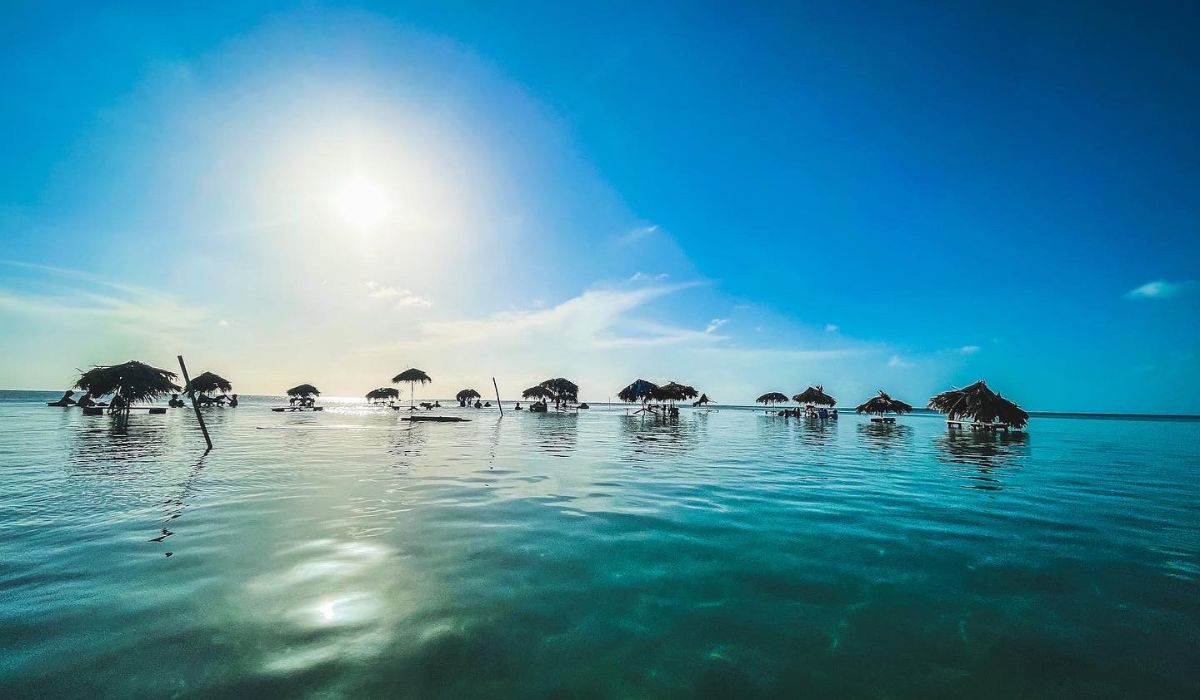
(401, 297)
(643, 277)
(831, 328)
(898, 362)
(1161, 289)
(72, 296)
(714, 324)
(968, 350)
(638, 234)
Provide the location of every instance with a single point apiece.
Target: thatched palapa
(540, 392)
(565, 390)
(383, 393)
(466, 395)
(772, 398)
(133, 381)
(815, 396)
(639, 390)
(673, 391)
(881, 404)
(978, 402)
(303, 391)
(412, 377)
(208, 382)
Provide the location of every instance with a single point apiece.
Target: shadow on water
(983, 453)
(653, 437)
(815, 432)
(114, 445)
(556, 433)
(885, 437)
(407, 445)
(175, 506)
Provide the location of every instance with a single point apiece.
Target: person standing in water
(66, 399)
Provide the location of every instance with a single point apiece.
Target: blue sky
(746, 198)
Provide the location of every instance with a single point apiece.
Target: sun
(361, 203)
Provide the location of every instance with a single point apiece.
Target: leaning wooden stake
(195, 406)
(497, 388)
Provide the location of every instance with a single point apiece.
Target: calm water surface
(728, 554)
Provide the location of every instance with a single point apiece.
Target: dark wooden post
(497, 388)
(195, 406)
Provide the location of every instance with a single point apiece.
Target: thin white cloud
(637, 234)
(898, 362)
(968, 349)
(643, 277)
(831, 328)
(223, 323)
(401, 297)
(73, 296)
(714, 324)
(1160, 289)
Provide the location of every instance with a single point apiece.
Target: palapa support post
(195, 406)
(497, 388)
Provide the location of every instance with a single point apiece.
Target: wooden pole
(195, 406)
(497, 388)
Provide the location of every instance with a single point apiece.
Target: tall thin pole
(497, 388)
(195, 406)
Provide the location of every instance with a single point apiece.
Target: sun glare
(361, 203)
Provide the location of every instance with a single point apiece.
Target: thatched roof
(980, 403)
(673, 391)
(537, 392)
(467, 394)
(564, 389)
(639, 390)
(208, 382)
(772, 397)
(815, 395)
(134, 381)
(304, 391)
(383, 392)
(883, 404)
(414, 376)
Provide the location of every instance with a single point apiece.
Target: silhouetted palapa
(466, 395)
(209, 382)
(383, 393)
(673, 391)
(771, 398)
(639, 390)
(981, 404)
(303, 391)
(539, 391)
(412, 377)
(881, 404)
(565, 390)
(133, 381)
(815, 395)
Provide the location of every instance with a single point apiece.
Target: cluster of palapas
(977, 403)
(136, 382)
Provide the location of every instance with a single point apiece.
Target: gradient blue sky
(746, 198)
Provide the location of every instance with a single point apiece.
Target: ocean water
(726, 554)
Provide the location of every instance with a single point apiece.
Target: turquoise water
(728, 554)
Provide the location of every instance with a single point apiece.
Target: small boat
(293, 409)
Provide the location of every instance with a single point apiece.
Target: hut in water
(383, 394)
(639, 391)
(205, 384)
(882, 404)
(303, 394)
(771, 398)
(130, 382)
(464, 396)
(987, 409)
(412, 377)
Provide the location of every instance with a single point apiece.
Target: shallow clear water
(729, 554)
